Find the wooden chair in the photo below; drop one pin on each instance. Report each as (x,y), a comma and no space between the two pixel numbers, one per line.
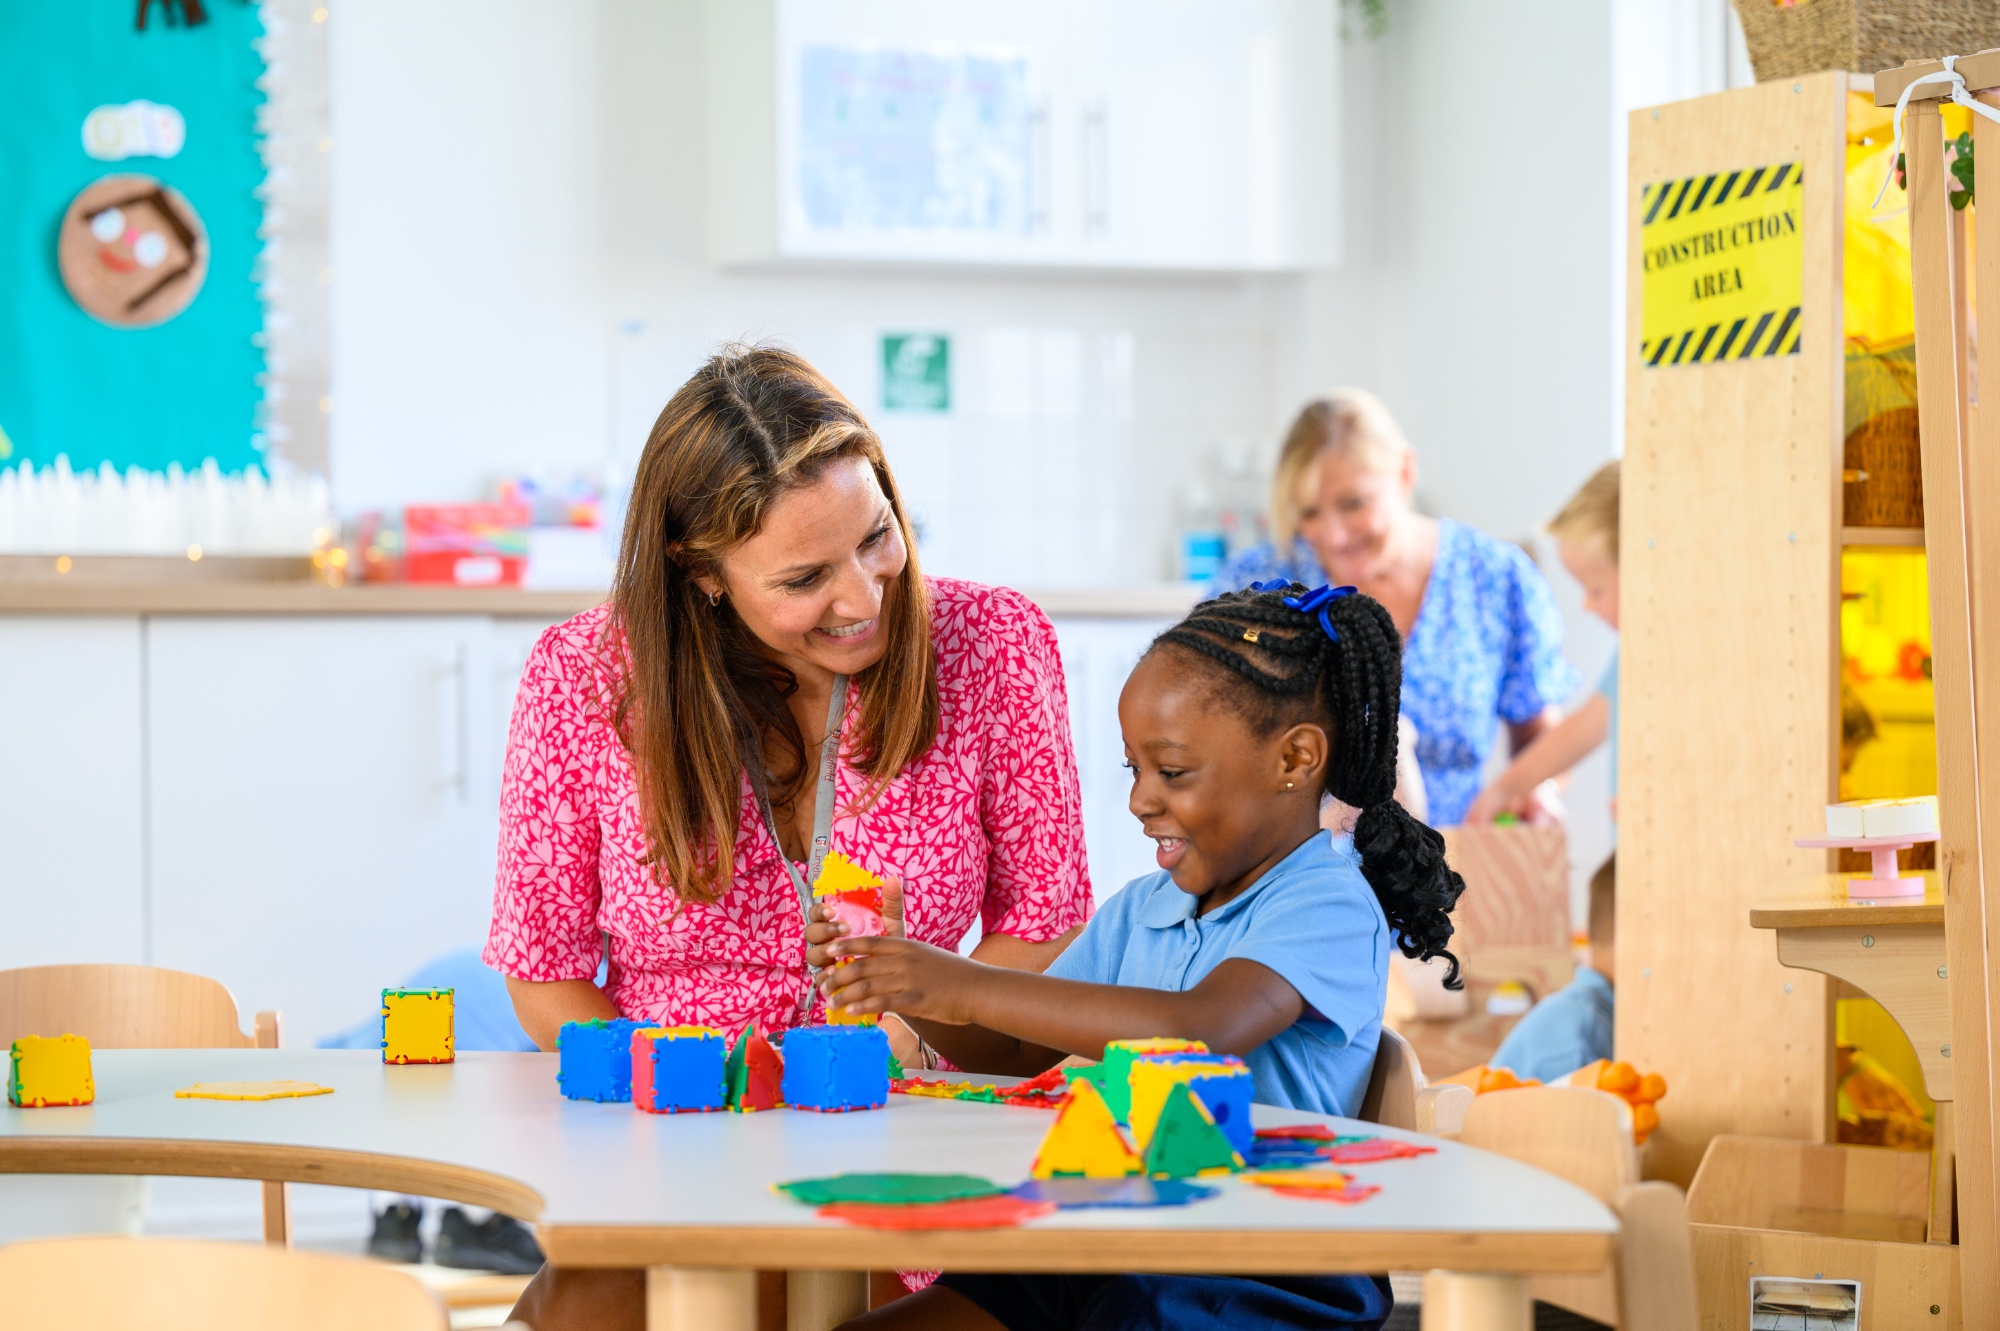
(137,1007)
(1585,1136)
(112,1284)
(1398,1096)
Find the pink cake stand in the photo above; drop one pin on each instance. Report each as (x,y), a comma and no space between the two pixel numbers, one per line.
(1885,882)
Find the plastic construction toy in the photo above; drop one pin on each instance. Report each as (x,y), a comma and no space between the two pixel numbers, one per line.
(754,1076)
(596,1058)
(417,1026)
(1186,1143)
(1114,1075)
(679,1069)
(834,1069)
(851,896)
(45,1071)
(1084,1141)
(252,1090)
(1221,1082)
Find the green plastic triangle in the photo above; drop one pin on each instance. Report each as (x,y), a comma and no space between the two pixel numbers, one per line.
(736,1071)
(1186,1141)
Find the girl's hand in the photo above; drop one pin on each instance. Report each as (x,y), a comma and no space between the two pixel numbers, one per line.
(822,930)
(1492,802)
(897,975)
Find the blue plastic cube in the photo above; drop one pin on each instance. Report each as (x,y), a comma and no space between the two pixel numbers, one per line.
(679,1069)
(596,1059)
(1228,1100)
(836,1068)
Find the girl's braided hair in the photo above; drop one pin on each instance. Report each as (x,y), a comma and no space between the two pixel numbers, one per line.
(1281,666)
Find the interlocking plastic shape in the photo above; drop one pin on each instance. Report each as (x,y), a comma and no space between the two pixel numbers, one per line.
(1115,1079)
(44,1071)
(851,896)
(417,1026)
(1085,1140)
(833,1069)
(596,1058)
(1186,1141)
(1222,1082)
(755,1074)
(679,1069)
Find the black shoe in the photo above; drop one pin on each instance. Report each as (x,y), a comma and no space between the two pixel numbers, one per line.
(498,1243)
(395,1237)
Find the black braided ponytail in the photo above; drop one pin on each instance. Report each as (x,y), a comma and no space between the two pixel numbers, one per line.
(1280,666)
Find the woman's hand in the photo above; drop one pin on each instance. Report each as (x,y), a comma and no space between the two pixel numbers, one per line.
(822,929)
(897,975)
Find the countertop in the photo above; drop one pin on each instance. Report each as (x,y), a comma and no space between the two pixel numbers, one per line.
(109,585)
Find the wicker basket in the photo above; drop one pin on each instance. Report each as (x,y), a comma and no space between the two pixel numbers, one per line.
(1861,36)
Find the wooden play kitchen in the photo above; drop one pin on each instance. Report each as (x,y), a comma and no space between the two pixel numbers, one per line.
(1740,496)
(691,1196)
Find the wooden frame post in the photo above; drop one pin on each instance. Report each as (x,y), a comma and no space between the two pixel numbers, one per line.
(1961,466)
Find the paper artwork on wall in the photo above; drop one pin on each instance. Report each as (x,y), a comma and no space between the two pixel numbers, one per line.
(132,252)
(135,129)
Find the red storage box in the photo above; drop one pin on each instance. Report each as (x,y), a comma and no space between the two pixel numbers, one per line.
(466,545)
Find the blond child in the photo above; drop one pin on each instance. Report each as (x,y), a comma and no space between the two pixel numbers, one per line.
(1586,533)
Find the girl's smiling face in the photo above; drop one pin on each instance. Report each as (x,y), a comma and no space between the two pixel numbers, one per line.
(1222,803)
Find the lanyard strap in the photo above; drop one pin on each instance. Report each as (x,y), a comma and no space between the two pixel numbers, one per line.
(823,796)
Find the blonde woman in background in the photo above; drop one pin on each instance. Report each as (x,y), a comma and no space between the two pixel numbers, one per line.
(1482,639)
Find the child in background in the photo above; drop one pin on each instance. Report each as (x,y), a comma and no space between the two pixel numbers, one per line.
(1586,532)
(1572,1026)
(1263,935)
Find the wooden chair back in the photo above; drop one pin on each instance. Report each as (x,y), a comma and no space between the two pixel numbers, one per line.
(1391,1097)
(111,1284)
(1585,1136)
(126,1007)
(138,1007)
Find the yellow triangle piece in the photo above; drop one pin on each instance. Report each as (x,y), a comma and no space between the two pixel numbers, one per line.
(840,874)
(1085,1140)
(251,1090)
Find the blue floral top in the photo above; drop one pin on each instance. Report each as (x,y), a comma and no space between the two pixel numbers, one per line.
(1486,647)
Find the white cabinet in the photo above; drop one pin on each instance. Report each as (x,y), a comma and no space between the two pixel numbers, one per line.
(324,797)
(1156,134)
(72,871)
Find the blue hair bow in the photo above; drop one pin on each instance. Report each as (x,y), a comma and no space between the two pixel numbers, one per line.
(1317,602)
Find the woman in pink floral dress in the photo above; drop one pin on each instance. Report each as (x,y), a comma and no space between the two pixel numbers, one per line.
(767,559)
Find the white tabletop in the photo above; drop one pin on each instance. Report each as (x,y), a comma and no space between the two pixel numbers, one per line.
(607,1185)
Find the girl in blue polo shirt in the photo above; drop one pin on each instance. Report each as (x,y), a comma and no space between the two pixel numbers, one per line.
(1261,935)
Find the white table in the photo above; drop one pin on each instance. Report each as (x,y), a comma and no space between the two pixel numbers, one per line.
(689,1195)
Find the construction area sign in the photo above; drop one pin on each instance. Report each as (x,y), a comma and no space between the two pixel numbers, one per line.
(1721,266)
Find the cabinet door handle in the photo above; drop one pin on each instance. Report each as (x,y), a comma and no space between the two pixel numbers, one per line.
(1096,169)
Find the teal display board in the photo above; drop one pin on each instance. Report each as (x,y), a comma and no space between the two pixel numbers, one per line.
(188,388)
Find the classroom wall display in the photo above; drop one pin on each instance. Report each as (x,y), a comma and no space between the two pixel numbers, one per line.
(1721,265)
(129,217)
(916,372)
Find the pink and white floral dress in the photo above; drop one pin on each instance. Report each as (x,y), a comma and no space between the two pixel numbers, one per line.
(987,824)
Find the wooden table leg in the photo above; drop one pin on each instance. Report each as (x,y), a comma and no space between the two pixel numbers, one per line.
(694,1298)
(1476,1301)
(822,1300)
(1944,1176)
(277,1215)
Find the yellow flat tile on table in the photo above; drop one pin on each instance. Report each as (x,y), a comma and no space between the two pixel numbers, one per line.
(251,1090)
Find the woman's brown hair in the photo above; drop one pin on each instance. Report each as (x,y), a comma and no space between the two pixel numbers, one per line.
(698,699)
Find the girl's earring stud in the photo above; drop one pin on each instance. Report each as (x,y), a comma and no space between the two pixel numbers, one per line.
(1288,785)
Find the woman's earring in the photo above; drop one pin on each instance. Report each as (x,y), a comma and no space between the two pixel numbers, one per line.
(715,598)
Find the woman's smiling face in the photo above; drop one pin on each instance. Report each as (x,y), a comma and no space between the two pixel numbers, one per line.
(809,584)
(1209,790)
(1351,503)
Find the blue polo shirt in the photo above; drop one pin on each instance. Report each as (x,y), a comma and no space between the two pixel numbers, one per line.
(1313,919)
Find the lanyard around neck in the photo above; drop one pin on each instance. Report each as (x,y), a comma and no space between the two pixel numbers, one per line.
(823,796)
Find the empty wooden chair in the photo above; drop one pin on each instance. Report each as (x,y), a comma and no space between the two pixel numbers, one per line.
(1585,1136)
(137,1007)
(114,1284)
(1398,1096)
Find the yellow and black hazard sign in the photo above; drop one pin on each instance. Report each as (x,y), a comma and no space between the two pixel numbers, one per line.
(1721,266)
